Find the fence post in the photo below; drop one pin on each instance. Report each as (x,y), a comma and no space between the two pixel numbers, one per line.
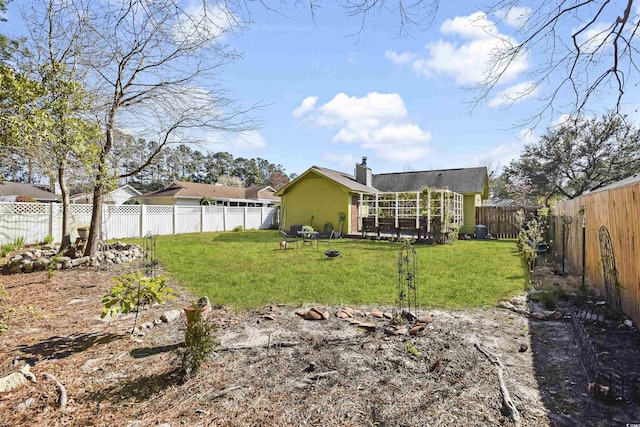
(175,219)
(201,218)
(261,217)
(51,219)
(143,211)
(244,218)
(224,218)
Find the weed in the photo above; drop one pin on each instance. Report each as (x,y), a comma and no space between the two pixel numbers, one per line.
(18,243)
(48,239)
(237,229)
(548,296)
(410,348)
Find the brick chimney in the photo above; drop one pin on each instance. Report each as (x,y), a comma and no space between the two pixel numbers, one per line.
(363,173)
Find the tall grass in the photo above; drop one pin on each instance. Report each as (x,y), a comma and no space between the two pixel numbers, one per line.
(248,269)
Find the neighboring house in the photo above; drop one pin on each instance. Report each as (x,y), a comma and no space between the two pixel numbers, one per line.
(190,193)
(321,195)
(116,197)
(10,190)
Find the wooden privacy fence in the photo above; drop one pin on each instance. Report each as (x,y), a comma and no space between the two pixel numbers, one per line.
(33,221)
(500,220)
(618,209)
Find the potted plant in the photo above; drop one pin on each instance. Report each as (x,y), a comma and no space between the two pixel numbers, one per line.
(83,232)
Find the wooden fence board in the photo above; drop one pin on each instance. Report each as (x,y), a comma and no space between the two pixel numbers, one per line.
(618,209)
(500,220)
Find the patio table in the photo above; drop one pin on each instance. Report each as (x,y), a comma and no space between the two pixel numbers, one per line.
(308,237)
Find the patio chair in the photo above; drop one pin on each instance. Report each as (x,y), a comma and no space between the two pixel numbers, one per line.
(289,239)
(323,238)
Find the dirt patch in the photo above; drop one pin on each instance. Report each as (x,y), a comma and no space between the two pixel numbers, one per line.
(274,368)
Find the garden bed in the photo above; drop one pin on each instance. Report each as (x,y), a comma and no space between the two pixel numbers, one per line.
(274,368)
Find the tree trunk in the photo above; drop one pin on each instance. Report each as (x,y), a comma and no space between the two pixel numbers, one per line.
(66,232)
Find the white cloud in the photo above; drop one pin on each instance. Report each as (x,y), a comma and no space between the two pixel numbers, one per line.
(308,104)
(468,61)
(248,140)
(594,38)
(475,26)
(515,16)
(514,94)
(399,58)
(378,122)
(202,20)
(502,155)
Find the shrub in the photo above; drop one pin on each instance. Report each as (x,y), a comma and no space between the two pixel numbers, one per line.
(133,290)
(25,199)
(237,229)
(200,340)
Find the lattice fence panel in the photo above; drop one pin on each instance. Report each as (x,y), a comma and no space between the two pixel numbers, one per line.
(27,221)
(121,221)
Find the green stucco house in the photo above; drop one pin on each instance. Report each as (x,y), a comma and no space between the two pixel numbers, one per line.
(320,196)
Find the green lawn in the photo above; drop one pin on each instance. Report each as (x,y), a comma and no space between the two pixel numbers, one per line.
(248,269)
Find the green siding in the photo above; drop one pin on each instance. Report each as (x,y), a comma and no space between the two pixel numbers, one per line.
(317,197)
(470,201)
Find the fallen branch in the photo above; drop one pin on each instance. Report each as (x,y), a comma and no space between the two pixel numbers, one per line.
(508,406)
(309,379)
(267,346)
(62,392)
(225,392)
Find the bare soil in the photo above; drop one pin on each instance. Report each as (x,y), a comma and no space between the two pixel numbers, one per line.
(274,368)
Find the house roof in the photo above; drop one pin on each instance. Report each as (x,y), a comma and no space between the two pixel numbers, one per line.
(19,189)
(341,178)
(463,180)
(633,179)
(193,190)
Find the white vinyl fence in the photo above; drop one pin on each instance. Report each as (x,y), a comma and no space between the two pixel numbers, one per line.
(33,221)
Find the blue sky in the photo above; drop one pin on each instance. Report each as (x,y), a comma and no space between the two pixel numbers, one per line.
(332,94)
(362,99)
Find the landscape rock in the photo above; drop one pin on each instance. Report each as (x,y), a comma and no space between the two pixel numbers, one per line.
(314,314)
(426,319)
(417,328)
(170,315)
(342,315)
(377,313)
(368,326)
(39,259)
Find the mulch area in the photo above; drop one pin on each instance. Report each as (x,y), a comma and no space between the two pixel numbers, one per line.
(274,368)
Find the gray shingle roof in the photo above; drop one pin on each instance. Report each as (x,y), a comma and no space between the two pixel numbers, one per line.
(633,179)
(344,179)
(466,180)
(19,189)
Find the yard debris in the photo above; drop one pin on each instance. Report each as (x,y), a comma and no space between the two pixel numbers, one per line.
(17,379)
(62,392)
(508,406)
(308,380)
(170,315)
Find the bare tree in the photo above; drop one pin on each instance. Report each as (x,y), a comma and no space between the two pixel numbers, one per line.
(152,66)
(586,49)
